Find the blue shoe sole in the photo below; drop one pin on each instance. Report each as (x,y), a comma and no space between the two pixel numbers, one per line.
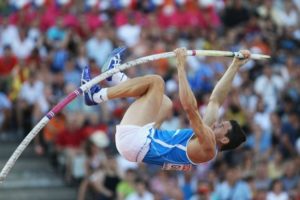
(88,95)
(120,51)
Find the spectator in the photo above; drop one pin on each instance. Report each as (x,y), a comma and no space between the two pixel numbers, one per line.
(188,183)
(9,32)
(68,143)
(290,177)
(106,180)
(235,111)
(7,62)
(23,45)
(233,187)
(57,32)
(289,15)
(129,33)
(165,186)
(262,116)
(81,59)
(277,192)
(268,85)
(261,195)
(275,166)
(295,194)
(126,187)
(259,140)
(5,114)
(248,99)
(204,192)
(30,100)
(141,192)
(94,160)
(60,57)
(235,13)
(71,74)
(290,131)
(99,43)
(46,143)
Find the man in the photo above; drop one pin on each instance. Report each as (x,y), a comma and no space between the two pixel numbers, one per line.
(138,138)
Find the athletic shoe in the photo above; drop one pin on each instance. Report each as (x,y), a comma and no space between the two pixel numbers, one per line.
(88,95)
(114,59)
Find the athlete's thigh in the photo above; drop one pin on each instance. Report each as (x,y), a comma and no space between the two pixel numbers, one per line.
(165,111)
(144,110)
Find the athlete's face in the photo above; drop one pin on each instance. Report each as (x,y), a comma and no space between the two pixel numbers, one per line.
(220,131)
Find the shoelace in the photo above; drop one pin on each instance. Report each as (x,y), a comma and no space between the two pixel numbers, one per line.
(116,60)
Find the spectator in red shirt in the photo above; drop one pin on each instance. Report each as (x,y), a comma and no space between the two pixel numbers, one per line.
(93,125)
(71,136)
(93,19)
(7,62)
(68,143)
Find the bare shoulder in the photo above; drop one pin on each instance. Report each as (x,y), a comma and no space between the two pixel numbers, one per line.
(202,149)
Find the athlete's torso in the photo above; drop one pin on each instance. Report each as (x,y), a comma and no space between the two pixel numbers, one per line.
(168,147)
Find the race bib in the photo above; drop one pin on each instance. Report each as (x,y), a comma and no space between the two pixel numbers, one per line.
(177,167)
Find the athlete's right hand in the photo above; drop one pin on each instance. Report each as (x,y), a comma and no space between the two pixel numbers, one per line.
(181,54)
(241,62)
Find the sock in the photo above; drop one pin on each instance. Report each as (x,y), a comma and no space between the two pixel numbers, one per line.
(100,96)
(118,78)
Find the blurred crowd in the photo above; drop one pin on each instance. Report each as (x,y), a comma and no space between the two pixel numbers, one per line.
(44,44)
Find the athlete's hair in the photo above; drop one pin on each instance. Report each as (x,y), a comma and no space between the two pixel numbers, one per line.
(235,135)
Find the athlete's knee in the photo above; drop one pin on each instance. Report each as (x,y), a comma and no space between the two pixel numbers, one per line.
(157,82)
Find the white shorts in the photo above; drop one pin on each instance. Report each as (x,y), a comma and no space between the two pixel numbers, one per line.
(132,141)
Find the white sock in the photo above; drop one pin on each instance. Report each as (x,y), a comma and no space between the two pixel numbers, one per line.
(100,96)
(118,78)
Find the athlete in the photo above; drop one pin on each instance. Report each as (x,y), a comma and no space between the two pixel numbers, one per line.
(138,137)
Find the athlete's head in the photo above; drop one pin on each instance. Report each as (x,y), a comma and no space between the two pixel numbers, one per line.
(229,135)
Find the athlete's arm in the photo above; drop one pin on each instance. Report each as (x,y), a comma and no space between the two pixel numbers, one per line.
(205,136)
(222,88)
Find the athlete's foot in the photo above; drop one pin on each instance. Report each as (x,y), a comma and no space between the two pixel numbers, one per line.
(88,95)
(114,59)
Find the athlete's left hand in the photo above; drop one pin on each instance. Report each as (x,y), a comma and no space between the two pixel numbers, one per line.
(181,54)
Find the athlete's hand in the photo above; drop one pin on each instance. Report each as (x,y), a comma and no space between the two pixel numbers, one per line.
(181,54)
(242,61)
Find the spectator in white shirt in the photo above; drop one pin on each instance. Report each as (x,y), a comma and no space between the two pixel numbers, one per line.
(8,32)
(130,32)
(31,90)
(288,16)
(22,46)
(277,192)
(31,102)
(269,85)
(99,47)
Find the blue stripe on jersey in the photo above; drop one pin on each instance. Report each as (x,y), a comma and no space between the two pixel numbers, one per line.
(168,146)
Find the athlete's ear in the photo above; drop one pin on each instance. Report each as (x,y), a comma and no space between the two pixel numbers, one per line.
(224,140)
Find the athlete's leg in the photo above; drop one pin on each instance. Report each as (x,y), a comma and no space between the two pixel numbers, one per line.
(149,92)
(164,111)
(135,88)
(165,107)
(221,90)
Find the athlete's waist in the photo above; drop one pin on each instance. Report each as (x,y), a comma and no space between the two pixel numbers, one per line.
(132,141)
